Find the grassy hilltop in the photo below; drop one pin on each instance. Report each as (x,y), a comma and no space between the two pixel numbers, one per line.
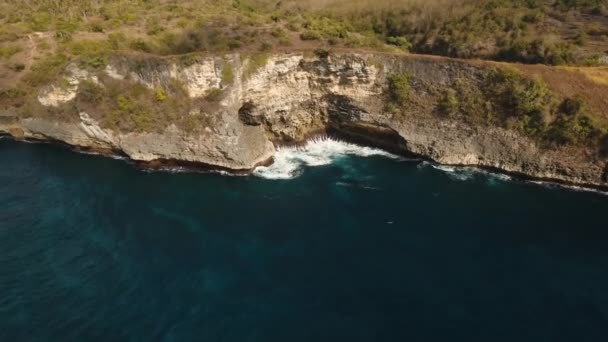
(529,31)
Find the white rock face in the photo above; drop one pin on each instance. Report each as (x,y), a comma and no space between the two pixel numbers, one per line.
(111,71)
(280,90)
(199,78)
(56,95)
(93,130)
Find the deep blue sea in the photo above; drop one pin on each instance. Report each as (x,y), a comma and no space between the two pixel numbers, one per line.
(331,244)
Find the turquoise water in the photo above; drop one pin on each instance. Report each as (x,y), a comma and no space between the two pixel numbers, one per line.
(361,248)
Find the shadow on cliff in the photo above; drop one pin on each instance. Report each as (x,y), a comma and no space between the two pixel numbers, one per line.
(348,122)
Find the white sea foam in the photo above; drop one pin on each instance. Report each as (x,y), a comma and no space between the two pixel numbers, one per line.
(107,155)
(464,173)
(289,161)
(575,188)
(184,169)
(458,173)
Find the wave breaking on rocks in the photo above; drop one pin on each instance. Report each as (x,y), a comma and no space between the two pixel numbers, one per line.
(289,162)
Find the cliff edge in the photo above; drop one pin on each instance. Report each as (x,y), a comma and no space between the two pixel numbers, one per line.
(231,111)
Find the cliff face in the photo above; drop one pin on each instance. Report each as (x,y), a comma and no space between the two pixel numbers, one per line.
(287,98)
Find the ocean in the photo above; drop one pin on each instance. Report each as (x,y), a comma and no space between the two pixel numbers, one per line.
(334,242)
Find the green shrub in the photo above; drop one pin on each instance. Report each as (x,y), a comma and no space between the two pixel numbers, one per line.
(326,27)
(234,44)
(8,51)
(573,124)
(153,27)
(391,108)
(400,42)
(205,38)
(160,94)
(92,53)
(123,103)
(132,107)
(141,120)
(17,67)
(448,103)
(183,22)
(581,39)
(533,16)
(399,88)
(537,51)
(573,130)
(265,46)
(116,40)
(213,95)
(322,53)
(70,26)
(11,93)
(46,70)
(132,113)
(572,106)
(521,103)
(284,41)
(227,74)
(141,45)
(517,95)
(310,35)
(96,27)
(277,32)
(63,36)
(90,92)
(256,62)
(527,106)
(40,21)
(12,97)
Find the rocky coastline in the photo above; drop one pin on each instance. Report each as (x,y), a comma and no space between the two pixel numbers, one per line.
(294,97)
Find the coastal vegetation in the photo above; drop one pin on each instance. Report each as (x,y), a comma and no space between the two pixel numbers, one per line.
(38,38)
(511,100)
(399,88)
(529,31)
(133,107)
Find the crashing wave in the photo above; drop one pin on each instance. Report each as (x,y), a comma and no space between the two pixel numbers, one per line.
(460,173)
(290,161)
(464,173)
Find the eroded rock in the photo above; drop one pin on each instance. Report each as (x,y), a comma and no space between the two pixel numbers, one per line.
(292,96)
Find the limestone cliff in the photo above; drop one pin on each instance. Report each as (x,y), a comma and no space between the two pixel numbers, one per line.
(290,97)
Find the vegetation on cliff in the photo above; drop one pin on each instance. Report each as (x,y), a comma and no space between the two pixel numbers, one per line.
(507,98)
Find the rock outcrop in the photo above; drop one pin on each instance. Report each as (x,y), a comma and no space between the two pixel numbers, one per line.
(293,96)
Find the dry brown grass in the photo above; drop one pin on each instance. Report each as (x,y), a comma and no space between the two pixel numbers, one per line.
(596,74)
(590,83)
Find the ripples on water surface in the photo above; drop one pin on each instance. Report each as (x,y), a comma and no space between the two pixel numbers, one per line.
(343,244)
